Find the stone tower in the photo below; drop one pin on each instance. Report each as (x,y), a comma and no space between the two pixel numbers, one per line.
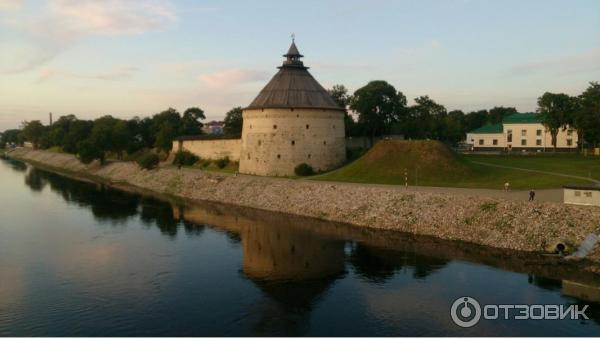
(293,120)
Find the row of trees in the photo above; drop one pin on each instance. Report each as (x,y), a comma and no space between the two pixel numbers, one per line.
(379,109)
(94,139)
(582,112)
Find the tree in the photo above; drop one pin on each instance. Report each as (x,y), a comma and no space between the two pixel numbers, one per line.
(339,94)
(497,114)
(427,118)
(190,124)
(11,136)
(165,137)
(586,118)
(79,130)
(33,132)
(233,121)
(557,112)
(379,107)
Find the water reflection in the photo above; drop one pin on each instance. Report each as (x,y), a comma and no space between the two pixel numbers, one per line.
(295,263)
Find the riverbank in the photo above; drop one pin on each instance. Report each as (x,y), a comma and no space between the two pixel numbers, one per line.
(494,222)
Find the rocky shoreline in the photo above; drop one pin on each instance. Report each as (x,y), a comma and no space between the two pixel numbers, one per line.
(498,223)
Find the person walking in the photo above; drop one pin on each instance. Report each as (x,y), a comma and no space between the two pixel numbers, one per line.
(531,195)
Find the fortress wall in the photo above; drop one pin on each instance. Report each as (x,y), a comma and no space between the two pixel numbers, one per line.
(211,149)
(275,141)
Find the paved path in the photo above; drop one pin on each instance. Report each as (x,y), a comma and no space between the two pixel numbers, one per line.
(537,171)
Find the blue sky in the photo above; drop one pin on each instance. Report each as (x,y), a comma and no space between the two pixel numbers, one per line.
(128,58)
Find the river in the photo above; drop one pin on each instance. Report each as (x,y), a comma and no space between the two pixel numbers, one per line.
(79,258)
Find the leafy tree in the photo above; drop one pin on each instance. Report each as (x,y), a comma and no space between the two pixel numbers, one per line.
(11,136)
(190,124)
(379,107)
(78,130)
(33,132)
(586,118)
(88,151)
(339,94)
(557,112)
(497,114)
(234,121)
(165,136)
(428,118)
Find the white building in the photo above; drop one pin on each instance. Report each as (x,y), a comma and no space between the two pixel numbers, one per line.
(521,131)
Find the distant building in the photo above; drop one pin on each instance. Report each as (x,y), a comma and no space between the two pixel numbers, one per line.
(521,131)
(213,128)
(582,194)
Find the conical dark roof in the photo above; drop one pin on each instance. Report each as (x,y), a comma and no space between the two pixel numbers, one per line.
(293,87)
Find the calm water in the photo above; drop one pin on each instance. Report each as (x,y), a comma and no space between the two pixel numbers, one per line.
(80,259)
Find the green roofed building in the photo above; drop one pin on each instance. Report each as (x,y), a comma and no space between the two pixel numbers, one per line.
(522,132)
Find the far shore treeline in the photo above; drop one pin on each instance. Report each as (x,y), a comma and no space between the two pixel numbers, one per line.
(373,110)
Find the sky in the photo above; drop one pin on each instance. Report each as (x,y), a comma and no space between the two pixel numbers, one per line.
(138,57)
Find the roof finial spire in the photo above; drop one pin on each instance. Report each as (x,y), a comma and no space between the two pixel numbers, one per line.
(293,37)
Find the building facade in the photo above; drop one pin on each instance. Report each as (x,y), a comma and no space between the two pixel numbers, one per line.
(293,120)
(520,132)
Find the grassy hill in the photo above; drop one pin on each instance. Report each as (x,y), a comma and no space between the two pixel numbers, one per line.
(431,163)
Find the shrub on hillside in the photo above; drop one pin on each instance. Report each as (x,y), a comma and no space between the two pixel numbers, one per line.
(303,169)
(222,162)
(184,157)
(148,161)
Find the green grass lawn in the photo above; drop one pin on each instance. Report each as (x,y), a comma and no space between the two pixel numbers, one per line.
(570,164)
(428,164)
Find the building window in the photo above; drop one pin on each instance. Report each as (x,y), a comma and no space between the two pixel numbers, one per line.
(495,142)
(248,155)
(307,126)
(308,155)
(569,142)
(278,156)
(481,142)
(324,142)
(523,142)
(570,132)
(588,194)
(274,126)
(333,126)
(291,109)
(509,135)
(293,142)
(259,142)
(538,142)
(523,132)
(538,132)
(577,193)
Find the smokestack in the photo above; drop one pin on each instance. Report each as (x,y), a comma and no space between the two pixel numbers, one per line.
(50,114)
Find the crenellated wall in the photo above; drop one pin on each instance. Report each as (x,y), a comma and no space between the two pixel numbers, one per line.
(275,141)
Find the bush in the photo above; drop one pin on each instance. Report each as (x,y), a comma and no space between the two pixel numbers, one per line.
(148,161)
(222,162)
(184,157)
(303,169)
